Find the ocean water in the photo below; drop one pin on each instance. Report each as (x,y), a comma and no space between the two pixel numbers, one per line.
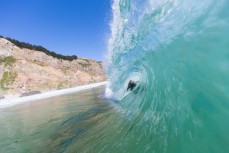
(178,54)
(68,123)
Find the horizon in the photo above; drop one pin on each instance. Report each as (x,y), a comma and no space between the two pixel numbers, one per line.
(67,28)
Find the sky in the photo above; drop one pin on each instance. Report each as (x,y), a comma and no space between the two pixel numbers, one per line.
(68,27)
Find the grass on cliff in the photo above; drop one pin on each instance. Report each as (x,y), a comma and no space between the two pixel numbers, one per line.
(7,79)
(38,62)
(65,69)
(8,61)
(86,64)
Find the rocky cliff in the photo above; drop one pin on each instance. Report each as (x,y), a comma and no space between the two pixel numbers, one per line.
(24,70)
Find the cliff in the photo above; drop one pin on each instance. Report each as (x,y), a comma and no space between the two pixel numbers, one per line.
(24,70)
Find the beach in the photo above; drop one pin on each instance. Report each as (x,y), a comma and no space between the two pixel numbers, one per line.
(11,101)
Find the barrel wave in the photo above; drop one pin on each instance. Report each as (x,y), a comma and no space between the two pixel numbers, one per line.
(177,53)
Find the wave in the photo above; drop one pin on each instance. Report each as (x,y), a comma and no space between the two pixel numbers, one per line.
(178,54)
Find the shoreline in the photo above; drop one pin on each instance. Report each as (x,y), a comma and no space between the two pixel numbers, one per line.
(20,100)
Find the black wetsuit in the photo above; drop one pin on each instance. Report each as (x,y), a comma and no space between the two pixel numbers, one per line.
(131,85)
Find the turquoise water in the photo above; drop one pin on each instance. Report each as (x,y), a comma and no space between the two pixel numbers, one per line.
(88,122)
(178,54)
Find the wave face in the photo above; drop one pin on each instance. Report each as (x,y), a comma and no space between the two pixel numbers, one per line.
(178,53)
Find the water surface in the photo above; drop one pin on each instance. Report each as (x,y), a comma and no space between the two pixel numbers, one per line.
(56,124)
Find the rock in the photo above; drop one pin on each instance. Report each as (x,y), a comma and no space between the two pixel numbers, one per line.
(30,93)
(2,97)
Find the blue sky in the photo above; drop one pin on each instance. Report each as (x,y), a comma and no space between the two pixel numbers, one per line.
(79,27)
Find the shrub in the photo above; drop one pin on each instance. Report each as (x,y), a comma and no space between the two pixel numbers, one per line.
(41,49)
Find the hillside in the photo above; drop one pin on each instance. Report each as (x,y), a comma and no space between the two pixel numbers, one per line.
(24,70)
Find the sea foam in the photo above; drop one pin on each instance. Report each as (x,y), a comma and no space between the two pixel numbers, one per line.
(15,101)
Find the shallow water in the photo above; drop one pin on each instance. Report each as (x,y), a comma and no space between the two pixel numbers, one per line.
(86,122)
(59,124)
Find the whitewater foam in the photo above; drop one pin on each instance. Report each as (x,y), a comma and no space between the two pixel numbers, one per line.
(16,101)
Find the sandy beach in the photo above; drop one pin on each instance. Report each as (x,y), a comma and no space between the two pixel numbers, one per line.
(11,101)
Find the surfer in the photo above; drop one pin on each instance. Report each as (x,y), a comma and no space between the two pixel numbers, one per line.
(131,85)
